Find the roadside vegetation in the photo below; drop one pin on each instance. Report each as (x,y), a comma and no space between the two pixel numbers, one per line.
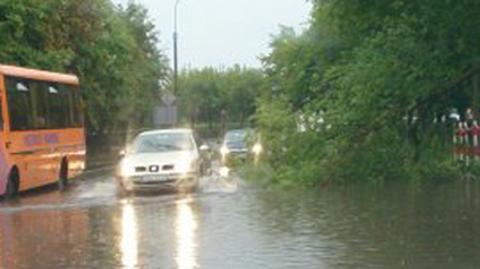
(364,93)
(373,76)
(207,95)
(113,50)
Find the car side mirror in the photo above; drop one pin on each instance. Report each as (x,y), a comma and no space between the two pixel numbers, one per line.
(204,148)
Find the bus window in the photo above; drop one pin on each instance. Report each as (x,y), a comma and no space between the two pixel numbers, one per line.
(42,105)
(39,98)
(78,110)
(71,102)
(59,107)
(71,106)
(18,96)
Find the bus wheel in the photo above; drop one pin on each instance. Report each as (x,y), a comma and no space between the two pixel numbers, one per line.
(63,177)
(12,185)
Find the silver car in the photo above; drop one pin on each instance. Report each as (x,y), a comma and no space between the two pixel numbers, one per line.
(163,159)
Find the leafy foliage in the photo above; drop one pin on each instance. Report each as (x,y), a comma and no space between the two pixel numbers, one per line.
(204,93)
(367,64)
(112,49)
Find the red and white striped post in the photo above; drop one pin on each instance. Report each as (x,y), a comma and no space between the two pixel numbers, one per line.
(459,141)
(475,132)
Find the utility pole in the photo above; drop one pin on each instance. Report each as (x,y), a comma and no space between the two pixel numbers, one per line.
(175,50)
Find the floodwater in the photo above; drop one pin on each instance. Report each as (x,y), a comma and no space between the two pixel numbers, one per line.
(230,224)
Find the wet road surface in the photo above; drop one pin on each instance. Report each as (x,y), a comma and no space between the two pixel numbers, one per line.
(230,224)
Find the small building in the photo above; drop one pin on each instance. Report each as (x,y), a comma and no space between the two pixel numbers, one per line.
(166,113)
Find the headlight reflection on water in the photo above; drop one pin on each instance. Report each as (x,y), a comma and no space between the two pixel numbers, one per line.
(186,228)
(129,240)
(186,246)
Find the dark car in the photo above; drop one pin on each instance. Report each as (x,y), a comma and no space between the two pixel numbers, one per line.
(239,145)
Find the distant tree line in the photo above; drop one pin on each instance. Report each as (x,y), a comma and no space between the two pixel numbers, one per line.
(369,67)
(205,93)
(113,50)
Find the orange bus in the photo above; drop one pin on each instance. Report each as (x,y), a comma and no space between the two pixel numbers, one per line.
(42,136)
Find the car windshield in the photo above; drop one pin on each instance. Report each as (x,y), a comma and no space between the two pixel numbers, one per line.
(239,139)
(236,136)
(162,142)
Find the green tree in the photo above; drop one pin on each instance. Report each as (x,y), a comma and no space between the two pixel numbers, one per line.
(368,64)
(113,50)
(204,93)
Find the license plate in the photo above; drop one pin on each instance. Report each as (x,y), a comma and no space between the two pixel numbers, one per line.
(155,178)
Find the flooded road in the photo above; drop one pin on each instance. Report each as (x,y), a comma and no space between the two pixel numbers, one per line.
(229,224)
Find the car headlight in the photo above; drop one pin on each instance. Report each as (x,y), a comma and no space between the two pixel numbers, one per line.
(186,166)
(125,169)
(257,149)
(224,150)
(224,171)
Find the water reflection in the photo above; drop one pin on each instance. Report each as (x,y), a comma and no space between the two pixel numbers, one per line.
(185,233)
(129,240)
(6,242)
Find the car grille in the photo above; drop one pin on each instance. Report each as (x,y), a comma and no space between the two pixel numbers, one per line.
(168,167)
(154,168)
(140,169)
(155,182)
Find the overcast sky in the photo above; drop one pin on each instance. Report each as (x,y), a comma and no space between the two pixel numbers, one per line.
(223,32)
